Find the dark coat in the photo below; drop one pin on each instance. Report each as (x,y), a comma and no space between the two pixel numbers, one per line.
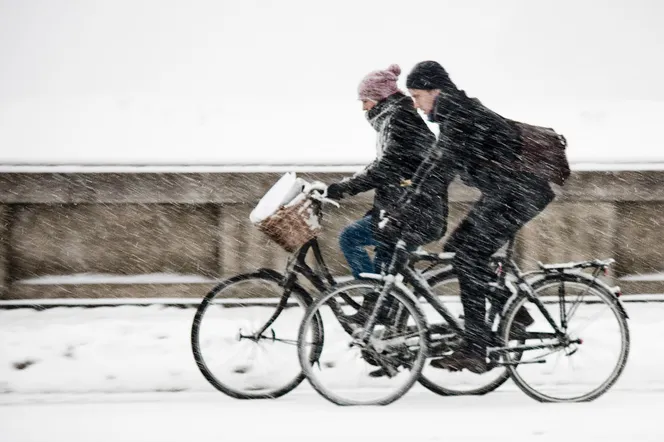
(404,141)
(479,146)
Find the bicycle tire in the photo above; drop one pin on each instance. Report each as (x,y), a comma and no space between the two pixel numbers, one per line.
(272,276)
(609,299)
(418,364)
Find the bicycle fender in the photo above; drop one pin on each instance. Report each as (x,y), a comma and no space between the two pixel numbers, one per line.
(269,272)
(588,278)
(615,290)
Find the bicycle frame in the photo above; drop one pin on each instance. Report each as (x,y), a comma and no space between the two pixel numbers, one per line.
(398,273)
(297,265)
(323,280)
(523,285)
(422,288)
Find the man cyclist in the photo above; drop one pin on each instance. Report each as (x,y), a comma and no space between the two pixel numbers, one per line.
(482,148)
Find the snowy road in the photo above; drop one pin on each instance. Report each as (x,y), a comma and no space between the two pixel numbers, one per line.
(93,375)
(621,415)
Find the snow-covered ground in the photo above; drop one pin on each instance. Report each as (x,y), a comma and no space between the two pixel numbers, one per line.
(147,349)
(301,416)
(126,373)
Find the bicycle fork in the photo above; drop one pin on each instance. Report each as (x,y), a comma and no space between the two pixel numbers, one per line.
(288,288)
(390,282)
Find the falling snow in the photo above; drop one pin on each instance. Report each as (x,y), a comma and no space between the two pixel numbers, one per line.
(145,149)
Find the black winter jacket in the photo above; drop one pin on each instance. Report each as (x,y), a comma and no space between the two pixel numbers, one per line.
(479,146)
(404,142)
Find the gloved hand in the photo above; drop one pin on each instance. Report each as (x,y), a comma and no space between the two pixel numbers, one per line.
(335,191)
(315,185)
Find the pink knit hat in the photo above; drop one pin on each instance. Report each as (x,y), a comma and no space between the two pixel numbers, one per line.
(378,85)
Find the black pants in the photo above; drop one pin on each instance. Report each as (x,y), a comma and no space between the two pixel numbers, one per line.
(487,227)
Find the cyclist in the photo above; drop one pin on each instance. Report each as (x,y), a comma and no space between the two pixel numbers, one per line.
(403,142)
(482,148)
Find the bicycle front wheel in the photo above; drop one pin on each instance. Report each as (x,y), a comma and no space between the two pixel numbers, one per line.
(351,371)
(579,364)
(244,336)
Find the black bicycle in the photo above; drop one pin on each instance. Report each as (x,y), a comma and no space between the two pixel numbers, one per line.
(383,355)
(244,332)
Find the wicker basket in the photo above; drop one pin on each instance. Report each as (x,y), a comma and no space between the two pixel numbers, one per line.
(293,225)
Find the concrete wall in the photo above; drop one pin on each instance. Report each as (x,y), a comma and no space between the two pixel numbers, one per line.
(198,224)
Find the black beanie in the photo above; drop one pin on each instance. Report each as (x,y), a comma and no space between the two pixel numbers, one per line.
(428,75)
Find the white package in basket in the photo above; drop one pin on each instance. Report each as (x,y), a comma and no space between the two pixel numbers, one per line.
(280,194)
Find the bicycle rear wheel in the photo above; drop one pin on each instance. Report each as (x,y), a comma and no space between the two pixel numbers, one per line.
(345,373)
(225,344)
(587,360)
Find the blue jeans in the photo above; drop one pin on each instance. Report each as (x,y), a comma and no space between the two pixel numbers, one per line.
(353,241)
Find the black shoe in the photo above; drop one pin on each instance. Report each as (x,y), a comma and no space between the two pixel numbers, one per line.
(522,321)
(403,360)
(378,373)
(523,318)
(462,359)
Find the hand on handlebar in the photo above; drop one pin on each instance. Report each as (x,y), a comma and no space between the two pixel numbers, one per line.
(335,191)
(318,192)
(321,197)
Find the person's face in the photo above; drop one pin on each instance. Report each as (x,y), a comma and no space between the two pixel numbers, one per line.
(367,105)
(424,99)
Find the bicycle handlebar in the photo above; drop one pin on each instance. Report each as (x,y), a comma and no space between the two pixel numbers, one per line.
(318,196)
(317,191)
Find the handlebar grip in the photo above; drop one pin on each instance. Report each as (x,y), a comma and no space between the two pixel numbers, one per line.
(322,199)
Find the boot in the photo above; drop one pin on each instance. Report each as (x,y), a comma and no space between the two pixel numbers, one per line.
(523,318)
(522,321)
(467,357)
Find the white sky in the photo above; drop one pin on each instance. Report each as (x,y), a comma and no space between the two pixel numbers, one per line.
(229,82)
